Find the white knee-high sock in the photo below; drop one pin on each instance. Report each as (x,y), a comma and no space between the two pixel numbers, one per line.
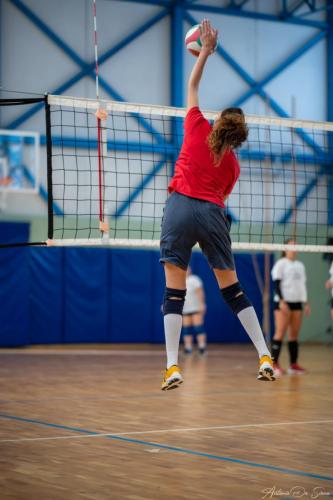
(250,322)
(172,329)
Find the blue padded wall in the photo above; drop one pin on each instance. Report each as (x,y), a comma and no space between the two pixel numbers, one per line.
(85,275)
(14,296)
(131,298)
(14,285)
(59,295)
(46,295)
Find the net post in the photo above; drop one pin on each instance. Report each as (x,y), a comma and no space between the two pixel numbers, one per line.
(49,167)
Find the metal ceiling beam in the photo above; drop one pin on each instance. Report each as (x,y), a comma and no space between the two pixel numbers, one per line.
(87,69)
(287,12)
(237,12)
(234,4)
(177,56)
(330,65)
(254,15)
(302,49)
(241,4)
(260,91)
(320,9)
(160,3)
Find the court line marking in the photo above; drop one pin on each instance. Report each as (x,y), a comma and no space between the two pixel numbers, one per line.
(174,448)
(168,431)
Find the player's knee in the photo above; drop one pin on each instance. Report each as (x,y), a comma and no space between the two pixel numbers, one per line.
(173,302)
(235,297)
(187,330)
(199,329)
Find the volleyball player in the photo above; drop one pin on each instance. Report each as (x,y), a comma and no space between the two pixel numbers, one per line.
(193,314)
(205,174)
(329,286)
(290,297)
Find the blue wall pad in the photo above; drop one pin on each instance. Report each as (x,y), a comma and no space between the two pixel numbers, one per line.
(66,295)
(14,296)
(14,232)
(46,295)
(86,295)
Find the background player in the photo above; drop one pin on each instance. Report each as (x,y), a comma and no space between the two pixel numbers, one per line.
(289,279)
(329,286)
(194,313)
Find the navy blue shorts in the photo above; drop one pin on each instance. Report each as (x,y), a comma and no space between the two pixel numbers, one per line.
(187,221)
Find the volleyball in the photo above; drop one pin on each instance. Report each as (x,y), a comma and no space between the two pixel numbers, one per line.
(192,40)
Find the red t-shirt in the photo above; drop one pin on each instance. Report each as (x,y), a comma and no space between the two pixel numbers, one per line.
(196,174)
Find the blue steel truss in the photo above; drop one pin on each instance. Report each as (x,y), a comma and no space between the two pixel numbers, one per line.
(179,13)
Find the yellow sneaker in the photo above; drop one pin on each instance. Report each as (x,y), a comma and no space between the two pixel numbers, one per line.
(266,370)
(172,378)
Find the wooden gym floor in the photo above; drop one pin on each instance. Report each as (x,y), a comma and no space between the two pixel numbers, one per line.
(93,424)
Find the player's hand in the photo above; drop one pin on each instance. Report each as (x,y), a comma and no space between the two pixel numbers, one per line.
(307,309)
(101,114)
(208,37)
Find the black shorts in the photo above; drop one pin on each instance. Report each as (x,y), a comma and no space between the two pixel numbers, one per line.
(187,221)
(293,306)
(332,303)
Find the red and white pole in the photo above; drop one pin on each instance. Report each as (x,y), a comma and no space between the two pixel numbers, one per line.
(103,226)
(96,48)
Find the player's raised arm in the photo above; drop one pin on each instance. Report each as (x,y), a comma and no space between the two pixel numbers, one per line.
(208,39)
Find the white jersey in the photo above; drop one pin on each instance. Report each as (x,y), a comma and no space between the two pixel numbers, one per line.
(292,275)
(331,276)
(192,302)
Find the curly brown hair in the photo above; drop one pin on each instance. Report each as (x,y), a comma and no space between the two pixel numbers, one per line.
(229,131)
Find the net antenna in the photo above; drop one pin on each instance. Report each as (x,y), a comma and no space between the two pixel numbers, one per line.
(101,115)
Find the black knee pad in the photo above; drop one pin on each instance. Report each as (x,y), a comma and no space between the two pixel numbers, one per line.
(173,302)
(235,297)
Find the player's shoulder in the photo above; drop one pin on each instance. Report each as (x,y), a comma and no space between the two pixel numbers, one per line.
(281,262)
(193,110)
(278,269)
(194,116)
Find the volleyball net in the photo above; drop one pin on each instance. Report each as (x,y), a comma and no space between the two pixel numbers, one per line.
(114,174)
(107,179)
